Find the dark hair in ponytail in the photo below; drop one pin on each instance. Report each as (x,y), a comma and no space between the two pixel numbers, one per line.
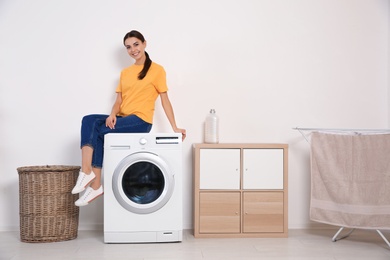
(147,64)
(148,61)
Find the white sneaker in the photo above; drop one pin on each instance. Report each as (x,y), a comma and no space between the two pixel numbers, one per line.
(89,195)
(83,181)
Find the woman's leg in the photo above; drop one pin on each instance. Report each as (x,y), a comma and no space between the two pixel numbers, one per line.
(128,124)
(93,145)
(131,124)
(91,126)
(86,166)
(89,135)
(97,182)
(86,159)
(93,158)
(93,130)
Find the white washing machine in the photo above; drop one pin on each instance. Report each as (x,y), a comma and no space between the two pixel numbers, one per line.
(143,188)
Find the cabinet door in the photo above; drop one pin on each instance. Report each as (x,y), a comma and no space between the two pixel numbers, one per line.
(219,212)
(263,169)
(263,212)
(219,169)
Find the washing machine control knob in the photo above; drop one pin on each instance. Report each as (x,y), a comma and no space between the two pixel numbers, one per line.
(143,141)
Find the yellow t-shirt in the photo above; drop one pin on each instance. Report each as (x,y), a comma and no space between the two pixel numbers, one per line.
(139,96)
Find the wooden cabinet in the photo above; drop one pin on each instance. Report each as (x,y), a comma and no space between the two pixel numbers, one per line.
(263,212)
(217,164)
(240,190)
(219,212)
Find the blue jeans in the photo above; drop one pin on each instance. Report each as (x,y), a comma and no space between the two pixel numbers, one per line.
(93,129)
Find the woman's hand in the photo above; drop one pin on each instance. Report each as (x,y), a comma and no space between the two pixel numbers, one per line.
(182,131)
(166,103)
(111,121)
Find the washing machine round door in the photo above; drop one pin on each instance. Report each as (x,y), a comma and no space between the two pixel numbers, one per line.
(142,183)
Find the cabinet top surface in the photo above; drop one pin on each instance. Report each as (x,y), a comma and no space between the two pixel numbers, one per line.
(241,145)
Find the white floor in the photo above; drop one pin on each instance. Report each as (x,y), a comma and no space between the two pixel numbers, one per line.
(301,244)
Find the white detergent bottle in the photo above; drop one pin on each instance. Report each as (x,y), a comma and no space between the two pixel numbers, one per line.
(211,128)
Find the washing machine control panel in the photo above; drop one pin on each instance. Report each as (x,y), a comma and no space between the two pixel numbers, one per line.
(143,141)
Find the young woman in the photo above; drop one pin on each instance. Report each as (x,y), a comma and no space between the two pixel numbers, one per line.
(138,88)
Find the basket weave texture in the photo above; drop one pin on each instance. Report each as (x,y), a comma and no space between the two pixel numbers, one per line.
(46,205)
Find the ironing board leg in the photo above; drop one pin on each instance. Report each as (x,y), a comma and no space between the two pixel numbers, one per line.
(334,239)
(384,238)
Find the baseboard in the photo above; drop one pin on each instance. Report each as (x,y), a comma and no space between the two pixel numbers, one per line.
(99,227)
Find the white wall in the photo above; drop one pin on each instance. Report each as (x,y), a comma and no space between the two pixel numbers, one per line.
(264,65)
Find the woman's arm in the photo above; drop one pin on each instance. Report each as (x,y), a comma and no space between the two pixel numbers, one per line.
(166,104)
(111,119)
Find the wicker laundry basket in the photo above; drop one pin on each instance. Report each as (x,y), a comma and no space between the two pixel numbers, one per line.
(46,205)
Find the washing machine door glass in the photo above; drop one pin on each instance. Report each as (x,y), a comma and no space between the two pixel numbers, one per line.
(143,183)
